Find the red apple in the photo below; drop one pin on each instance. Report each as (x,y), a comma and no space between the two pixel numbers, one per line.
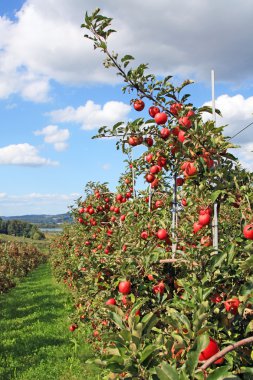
(73,327)
(149,157)
(248,231)
(150,178)
(175,108)
(144,235)
(196,227)
(125,287)
(153,111)
(159,288)
(161,118)
(206,241)
(111,301)
(162,234)
(185,122)
(179,181)
(184,202)
(211,349)
(155,169)
(161,161)
(204,219)
(181,136)
(232,305)
(149,141)
(139,105)
(165,133)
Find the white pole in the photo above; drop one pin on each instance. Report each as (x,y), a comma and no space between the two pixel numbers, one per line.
(215,206)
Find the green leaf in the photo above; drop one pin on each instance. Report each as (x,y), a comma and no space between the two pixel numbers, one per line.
(249,327)
(117,320)
(127,58)
(148,351)
(216,194)
(166,372)
(220,373)
(193,356)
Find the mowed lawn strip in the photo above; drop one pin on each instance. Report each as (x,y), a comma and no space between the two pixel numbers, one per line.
(35,342)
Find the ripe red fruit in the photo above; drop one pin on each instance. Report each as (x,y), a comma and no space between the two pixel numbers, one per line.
(216,298)
(149,157)
(149,141)
(204,220)
(81,210)
(124,300)
(144,235)
(162,234)
(181,136)
(73,327)
(153,111)
(184,202)
(111,301)
(119,197)
(117,209)
(161,118)
(139,105)
(179,181)
(232,305)
(159,288)
(211,349)
(248,231)
(155,183)
(125,287)
(154,169)
(80,220)
(133,141)
(185,122)
(150,178)
(196,227)
(190,169)
(165,133)
(161,161)
(175,108)
(190,113)
(206,241)
(158,203)
(122,218)
(150,277)
(175,131)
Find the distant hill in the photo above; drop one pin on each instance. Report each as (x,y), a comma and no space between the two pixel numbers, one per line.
(42,219)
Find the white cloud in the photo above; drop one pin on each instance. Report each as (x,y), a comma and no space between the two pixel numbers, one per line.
(91,115)
(45,42)
(54,135)
(36,203)
(23,155)
(237,112)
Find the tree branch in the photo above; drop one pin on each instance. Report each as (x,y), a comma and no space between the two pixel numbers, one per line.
(225,350)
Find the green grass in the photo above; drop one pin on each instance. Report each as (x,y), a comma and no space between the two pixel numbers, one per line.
(35,343)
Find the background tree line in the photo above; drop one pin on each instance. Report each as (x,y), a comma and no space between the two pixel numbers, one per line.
(20,228)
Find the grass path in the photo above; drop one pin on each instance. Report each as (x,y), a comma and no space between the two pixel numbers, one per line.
(35,343)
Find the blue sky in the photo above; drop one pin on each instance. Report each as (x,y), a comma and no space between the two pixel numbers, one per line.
(55,92)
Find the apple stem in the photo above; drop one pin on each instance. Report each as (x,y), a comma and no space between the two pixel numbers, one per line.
(225,350)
